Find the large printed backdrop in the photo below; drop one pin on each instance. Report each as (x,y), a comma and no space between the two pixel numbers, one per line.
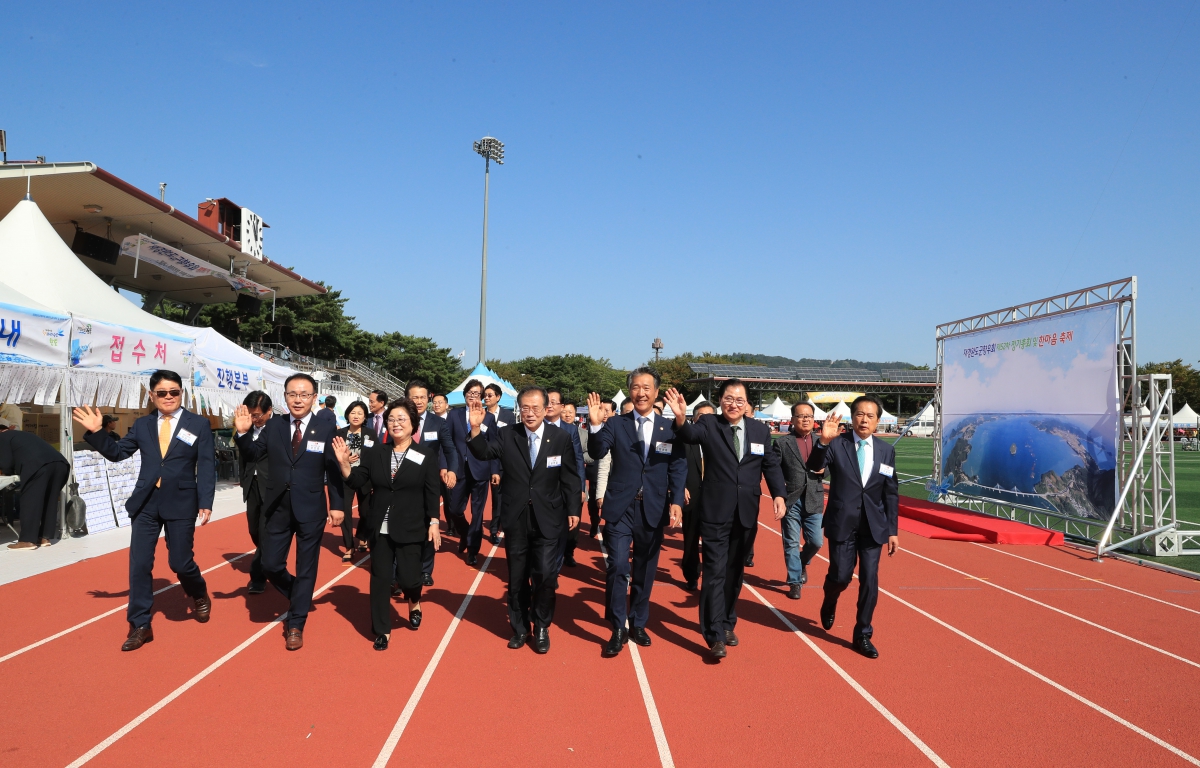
(1030,413)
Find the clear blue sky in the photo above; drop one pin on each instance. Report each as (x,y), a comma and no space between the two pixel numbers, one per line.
(821,180)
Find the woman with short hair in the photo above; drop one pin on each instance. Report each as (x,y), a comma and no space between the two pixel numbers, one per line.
(405,484)
(359,437)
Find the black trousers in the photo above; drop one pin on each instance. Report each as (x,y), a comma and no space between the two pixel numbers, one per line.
(476,489)
(348,532)
(256,522)
(724,548)
(388,559)
(143,540)
(364,506)
(39,501)
(532,576)
(691,542)
(427,550)
(282,525)
(860,547)
(627,600)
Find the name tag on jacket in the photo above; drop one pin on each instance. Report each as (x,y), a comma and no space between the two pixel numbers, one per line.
(554,461)
(415,457)
(886,470)
(316,446)
(756,449)
(664,448)
(368,442)
(501,423)
(185,436)
(430,436)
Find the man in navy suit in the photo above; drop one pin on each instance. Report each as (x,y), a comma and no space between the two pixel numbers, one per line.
(504,418)
(862,512)
(554,415)
(301,464)
(737,458)
(645,487)
(174,488)
(432,429)
(473,479)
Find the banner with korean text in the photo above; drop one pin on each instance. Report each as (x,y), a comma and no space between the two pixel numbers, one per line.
(33,337)
(121,349)
(1031,414)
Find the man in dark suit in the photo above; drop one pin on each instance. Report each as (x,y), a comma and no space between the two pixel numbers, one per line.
(806,498)
(541,498)
(554,414)
(504,417)
(862,514)
(474,478)
(432,429)
(175,487)
(301,465)
(693,502)
(43,472)
(591,469)
(377,400)
(737,457)
(645,489)
(328,413)
(254,487)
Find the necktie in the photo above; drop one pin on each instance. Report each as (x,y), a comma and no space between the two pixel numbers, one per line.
(417,432)
(164,440)
(296,439)
(533,449)
(737,443)
(862,457)
(641,425)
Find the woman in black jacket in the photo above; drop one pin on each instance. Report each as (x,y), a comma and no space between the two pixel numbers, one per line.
(359,437)
(405,482)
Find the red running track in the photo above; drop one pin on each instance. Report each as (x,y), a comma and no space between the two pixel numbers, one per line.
(990,655)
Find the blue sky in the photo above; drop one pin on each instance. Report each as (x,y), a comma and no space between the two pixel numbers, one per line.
(800,179)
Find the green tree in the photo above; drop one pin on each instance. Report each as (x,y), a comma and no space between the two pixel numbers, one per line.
(575,375)
(407,357)
(1184,378)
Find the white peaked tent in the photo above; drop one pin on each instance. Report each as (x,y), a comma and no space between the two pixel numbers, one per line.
(618,399)
(692,406)
(486,376)
(818,414)
(886,418)
(776,411)
(35,261)
(841,412)
(1186,418)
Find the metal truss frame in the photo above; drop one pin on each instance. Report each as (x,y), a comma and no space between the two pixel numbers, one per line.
(1150,513)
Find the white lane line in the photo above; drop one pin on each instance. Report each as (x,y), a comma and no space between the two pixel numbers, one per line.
(135,722)
(1087,578)
(410,706)
(1062,688)
(660,736)
(1068,614)
(1057,686)
(106,614)
(895,721)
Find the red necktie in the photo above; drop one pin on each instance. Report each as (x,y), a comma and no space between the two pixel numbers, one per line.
(296,439)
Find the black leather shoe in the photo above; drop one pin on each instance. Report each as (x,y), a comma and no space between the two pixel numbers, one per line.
(381,643)
(414,618)
(731,639)
(494,538)
(138,636)
(256,587)
(616,643)
(426,579)
(692,585)
(750,561)
(541,639)
(638,635)
(793,591)
(569,559)
(472,560)
(827,614)
(804,574)
(516,641)
(863,645)
(717,650)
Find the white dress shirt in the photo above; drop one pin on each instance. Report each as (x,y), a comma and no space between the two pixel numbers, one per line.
(538,443)
(868,447)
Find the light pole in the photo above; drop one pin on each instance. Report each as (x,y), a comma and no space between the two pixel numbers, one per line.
(657,346)
(491,149)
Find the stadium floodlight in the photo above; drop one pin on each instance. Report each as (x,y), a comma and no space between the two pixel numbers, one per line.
(492,150)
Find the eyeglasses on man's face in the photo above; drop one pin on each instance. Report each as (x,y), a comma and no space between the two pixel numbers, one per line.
(531,408)
(299,395)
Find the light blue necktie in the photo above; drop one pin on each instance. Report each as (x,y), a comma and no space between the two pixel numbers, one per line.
(862,457)
(533,449)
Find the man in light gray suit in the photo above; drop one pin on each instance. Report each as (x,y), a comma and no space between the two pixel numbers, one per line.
(805,498)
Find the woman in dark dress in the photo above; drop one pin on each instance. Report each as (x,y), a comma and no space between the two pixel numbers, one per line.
(405,482)
(359,437)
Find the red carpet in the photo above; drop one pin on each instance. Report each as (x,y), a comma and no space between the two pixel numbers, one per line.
(940,521)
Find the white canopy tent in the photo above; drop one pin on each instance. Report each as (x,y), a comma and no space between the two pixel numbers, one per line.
(776,411)
(841,412)
(486,376)
(1186,418)
(618,399)
(886,419)
(33,355)
(691,406)
(113,344)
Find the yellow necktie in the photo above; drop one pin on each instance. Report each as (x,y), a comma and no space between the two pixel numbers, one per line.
(164,441)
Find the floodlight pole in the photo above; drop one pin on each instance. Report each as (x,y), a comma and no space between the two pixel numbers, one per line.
(491,149)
